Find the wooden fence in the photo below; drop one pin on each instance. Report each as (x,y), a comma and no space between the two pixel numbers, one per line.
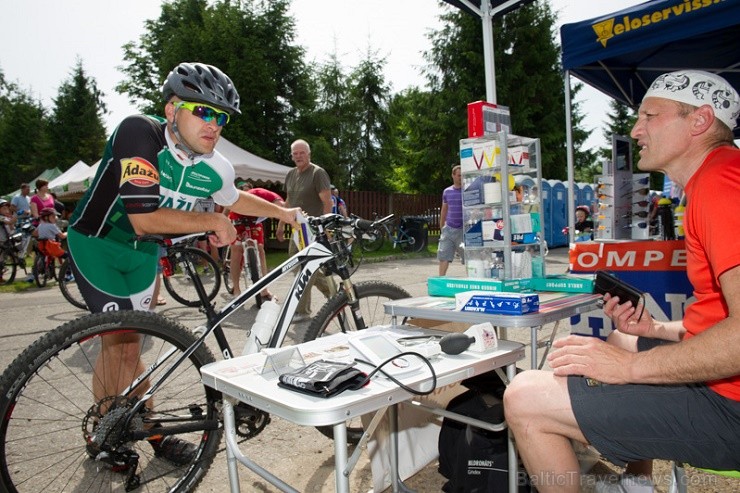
(368,204)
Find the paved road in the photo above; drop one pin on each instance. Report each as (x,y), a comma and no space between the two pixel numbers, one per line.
(301,456)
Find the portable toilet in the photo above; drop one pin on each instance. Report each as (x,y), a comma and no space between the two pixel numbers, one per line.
(587,196)
(545,217)
(558,213)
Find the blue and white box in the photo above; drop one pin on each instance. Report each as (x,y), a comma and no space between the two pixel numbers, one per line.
(503,303)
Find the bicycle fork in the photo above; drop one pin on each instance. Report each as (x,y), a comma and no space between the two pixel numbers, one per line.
(354,307)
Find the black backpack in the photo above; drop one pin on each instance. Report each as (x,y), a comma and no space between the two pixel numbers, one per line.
(472,459)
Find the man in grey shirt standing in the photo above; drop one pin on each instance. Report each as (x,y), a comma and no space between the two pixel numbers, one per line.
(306,186)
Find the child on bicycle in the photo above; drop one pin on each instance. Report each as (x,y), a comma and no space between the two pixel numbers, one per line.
(49,235)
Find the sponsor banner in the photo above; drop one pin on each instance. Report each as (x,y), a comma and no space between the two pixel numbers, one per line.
(658,268)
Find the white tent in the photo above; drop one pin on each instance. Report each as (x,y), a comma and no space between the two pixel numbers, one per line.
(250,166)
(77,185)
(75,173)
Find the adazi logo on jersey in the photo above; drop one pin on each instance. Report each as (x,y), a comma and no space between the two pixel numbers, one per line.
(138,172)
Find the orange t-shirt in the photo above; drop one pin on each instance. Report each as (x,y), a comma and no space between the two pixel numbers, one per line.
(711,222)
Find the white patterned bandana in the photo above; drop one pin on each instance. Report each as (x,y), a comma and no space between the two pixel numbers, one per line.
(698,88)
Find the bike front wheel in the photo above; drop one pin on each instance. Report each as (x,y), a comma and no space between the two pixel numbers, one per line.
(181,286)
(253,266)
(52,408)
(8,265)
(68,286)
(336,316)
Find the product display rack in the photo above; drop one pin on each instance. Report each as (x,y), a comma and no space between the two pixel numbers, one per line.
(503,228)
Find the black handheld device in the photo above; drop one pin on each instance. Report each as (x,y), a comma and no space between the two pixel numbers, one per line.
(606,282)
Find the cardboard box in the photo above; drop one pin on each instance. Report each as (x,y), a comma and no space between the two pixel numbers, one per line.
(450,286)
(486,118)
(506,303)
(518,158)
(560,283)
(480,155)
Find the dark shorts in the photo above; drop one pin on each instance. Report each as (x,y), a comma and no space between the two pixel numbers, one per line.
(687,423)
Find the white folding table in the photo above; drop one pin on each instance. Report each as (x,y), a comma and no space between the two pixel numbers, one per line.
(241,379)
(556,307)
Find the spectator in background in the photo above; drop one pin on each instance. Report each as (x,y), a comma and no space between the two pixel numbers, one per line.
(306,186)
(41,199)
(21,201)
(7,221)
(337,203)
(450,222)
(583,224)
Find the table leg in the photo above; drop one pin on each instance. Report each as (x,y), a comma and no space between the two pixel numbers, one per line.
(513,459)
(341,475)
(397,485)
(533,345)
(231,463)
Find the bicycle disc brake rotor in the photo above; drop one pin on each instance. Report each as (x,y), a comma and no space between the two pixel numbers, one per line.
(249,421)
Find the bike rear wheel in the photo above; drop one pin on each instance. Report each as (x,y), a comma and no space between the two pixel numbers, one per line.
(181,286)
(335,316)
(68,286)
(373,239)
(40,272)
(413,241)
(50,411)
(8,265)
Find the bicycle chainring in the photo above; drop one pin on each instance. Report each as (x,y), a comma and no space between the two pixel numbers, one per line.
(249,421)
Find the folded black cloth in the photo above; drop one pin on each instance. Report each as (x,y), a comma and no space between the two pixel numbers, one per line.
(324,378)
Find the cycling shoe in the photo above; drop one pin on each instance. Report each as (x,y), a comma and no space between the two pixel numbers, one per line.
(176,450)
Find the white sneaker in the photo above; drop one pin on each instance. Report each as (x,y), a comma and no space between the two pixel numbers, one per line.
(626,484)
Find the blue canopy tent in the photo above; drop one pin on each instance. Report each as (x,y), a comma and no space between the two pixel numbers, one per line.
(621,53)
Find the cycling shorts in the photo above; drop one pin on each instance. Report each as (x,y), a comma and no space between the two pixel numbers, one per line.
(254,231)
(112,275)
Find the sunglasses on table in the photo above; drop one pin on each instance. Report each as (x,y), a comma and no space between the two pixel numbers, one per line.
(205,112)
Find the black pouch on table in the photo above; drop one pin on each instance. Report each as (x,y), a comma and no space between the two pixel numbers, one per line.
(323,378)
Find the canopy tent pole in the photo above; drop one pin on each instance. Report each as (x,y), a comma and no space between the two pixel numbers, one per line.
(488,57)
(569,153)
(487,12)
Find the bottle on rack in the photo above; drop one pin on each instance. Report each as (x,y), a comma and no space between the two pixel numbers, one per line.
(262,328)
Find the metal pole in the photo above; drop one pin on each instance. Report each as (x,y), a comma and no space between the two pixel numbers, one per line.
(489,63)
(569,151)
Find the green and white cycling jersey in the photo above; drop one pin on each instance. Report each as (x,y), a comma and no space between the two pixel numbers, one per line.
(141,171)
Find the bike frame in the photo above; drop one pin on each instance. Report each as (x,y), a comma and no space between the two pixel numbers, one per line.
(309,260)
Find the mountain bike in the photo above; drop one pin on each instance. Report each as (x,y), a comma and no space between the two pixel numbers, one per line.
(251,267)
(179,257)
(409,235)
(50,415)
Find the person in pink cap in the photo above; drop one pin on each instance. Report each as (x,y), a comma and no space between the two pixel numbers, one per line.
(654,390)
